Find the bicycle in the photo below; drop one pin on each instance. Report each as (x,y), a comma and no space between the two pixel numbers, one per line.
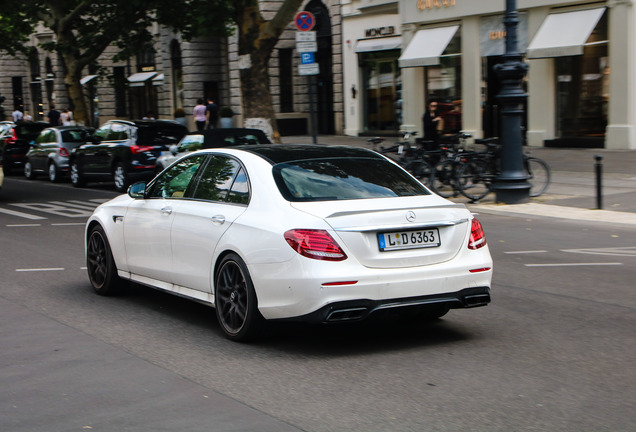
(443,180)
(410,156)
(479,170)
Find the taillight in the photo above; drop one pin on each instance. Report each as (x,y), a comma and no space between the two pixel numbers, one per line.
(64,152)
(140,149)
(477,237)
(315,244)
(12,139)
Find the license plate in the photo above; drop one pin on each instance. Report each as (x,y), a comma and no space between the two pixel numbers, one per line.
(409,239)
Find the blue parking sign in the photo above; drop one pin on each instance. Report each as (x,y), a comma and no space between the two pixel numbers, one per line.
(307,58)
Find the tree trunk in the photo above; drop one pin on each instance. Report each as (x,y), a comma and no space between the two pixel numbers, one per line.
(257,39)
(76,91)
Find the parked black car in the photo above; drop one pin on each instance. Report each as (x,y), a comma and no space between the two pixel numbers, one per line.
(52,149)
(17,144)
(211,138)
(124,151)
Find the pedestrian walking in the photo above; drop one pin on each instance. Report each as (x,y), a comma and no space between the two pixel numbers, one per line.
(17,115)
(200,111)
(212,114)
(54,116)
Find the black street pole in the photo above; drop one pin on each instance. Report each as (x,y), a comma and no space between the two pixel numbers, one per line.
(511,186)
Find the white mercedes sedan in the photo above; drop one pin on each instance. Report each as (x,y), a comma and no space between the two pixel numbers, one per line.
(291,233)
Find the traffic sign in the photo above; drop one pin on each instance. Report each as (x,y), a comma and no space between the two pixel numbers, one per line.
(307,58)
(308,69)
(305,36)
(305,47)
(305,21)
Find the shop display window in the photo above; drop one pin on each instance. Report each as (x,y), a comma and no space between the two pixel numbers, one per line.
(582,84)
(382,91)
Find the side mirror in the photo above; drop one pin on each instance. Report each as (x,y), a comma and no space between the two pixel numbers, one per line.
(137,190)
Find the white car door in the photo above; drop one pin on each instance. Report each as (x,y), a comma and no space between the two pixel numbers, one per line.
(221,196)
(148,222)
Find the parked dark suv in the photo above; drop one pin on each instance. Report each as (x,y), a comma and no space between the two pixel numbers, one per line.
(124,151)
(17,143)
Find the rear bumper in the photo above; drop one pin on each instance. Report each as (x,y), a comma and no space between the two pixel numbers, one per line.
(357,310)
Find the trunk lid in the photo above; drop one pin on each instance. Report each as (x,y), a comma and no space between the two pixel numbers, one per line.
(358,223)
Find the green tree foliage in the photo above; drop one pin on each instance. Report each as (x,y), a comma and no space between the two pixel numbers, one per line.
(84,29)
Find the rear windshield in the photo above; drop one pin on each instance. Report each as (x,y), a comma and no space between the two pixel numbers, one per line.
(344,179)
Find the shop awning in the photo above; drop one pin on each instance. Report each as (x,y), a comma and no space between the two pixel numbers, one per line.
(139,79)
(564,34)
(87,79)
(379,44)
(158,80)
(427,46)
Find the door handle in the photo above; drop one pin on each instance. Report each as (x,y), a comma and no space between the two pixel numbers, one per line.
(218,219)
(166,211)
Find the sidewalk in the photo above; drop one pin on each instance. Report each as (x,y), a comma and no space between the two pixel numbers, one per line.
(572,191)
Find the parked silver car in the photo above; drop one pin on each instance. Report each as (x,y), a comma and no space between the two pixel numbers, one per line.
(51,150)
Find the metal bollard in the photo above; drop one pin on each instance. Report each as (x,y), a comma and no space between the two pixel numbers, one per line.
(599,181)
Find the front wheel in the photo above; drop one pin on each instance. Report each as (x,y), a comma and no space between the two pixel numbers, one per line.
(474,179)
(235,300)
(28,170)
(102,271)
(443,179)
(539,175)
(77,179)
(120,177)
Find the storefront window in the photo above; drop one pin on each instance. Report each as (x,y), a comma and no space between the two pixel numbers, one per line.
(382,91)
(443,84)
(583,88)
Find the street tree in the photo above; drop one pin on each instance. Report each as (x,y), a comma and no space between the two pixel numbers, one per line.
(257,37)
(84,29)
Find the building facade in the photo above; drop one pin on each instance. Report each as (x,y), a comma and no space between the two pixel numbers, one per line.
(173,74)
(399,55)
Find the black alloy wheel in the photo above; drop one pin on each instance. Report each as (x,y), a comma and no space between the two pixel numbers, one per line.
(102,271)
(235,300)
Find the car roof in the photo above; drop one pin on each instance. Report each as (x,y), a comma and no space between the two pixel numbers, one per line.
(284,153)
(216,137)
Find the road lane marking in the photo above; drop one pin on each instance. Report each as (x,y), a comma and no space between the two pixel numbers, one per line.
(573,264)
(617,251)
(40,269)
(23,225)
(526,252)
(20,214)
(55,209)
(68,224)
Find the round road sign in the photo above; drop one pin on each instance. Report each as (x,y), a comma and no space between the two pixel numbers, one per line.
(305,21)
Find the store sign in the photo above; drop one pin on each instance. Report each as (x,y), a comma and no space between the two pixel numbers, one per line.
(493,35)
(434,4)
(379,32)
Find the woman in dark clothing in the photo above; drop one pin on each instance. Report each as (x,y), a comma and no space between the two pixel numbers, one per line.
(431,123)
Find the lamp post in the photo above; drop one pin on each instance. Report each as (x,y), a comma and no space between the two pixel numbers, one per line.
(511,186)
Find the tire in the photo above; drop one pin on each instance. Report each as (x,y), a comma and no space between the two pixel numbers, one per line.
(102,271)
(54,173)
(120,177)
(77,179)
(235,300)
(421,170)
(442,180)
(539,175)
(28,170)
(474,179)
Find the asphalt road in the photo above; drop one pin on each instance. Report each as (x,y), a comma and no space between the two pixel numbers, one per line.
(554,350)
